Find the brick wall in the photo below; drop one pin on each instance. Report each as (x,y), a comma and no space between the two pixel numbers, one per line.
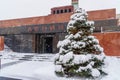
(102,14)
(1,43)
(58,18)
(110,42)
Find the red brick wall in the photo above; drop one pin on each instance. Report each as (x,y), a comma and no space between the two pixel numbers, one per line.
(57,18)
(110,42)
(1,43)
(22,21)
(102,14)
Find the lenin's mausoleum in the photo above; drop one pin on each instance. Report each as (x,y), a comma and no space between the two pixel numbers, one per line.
(41,34)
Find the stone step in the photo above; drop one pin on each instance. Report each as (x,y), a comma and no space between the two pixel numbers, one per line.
(30,57)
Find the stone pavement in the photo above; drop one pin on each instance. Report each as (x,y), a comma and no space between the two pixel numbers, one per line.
(10,64)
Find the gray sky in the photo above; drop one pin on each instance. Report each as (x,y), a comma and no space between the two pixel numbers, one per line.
(12,9)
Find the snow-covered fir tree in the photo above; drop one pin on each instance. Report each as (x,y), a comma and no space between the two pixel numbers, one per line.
(80,53)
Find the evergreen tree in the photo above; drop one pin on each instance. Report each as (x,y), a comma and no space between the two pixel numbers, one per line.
(79,53)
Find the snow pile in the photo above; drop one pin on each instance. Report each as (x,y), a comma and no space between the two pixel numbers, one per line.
(95,73)
(63,43)
(6,49)
(67,57)
(113,69)
(78,59)
(58,68)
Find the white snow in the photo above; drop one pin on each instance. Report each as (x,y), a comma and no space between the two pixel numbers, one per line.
(70,24)
(95,73)
(99,57)
(61,58)
(44,70)
(63,43)
(91,29)
(59,44)
(76,59)
(77,35)
(82,44)
(113,69)
(57,56)
(91,37)
(84,68)
(78,45)
(78,16)
(98,47)
(90,23)
(92,63)
(69,36)
(58,68)
(75,45)
(67,57)
(96,41)
(81,58)
(62,50)
(89,66)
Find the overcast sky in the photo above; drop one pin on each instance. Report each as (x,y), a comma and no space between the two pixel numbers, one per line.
(12,9)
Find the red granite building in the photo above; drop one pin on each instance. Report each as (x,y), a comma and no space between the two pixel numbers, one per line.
(40,34)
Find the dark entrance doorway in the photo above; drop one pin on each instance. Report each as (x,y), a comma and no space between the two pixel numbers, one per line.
(48,44)
(43,43)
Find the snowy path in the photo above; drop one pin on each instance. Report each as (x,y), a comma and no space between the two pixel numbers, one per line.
(6,78)
(16,65)
(10,64)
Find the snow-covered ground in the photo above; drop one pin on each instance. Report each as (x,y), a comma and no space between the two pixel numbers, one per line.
(41,67)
